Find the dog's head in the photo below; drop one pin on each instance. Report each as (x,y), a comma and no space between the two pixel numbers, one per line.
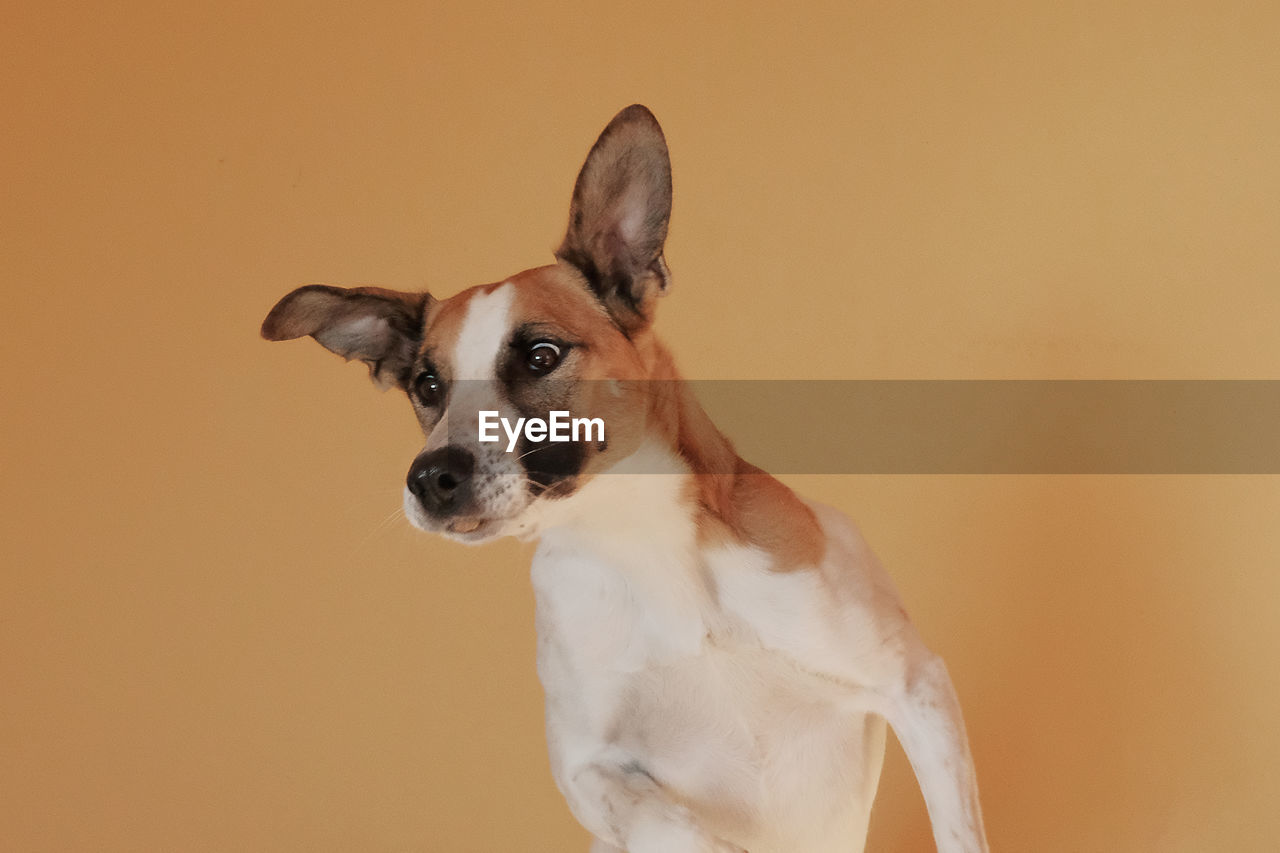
(570,338)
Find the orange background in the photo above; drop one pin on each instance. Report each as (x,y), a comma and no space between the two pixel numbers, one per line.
(216,634)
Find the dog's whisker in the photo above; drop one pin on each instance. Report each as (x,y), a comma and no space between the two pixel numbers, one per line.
(533,451)
(538,487)
(395,515)
(384,525)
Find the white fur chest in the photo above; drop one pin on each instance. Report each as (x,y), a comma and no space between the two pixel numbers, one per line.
(606,616)
(652,657)
(642,665)
(617,584)
(629,666)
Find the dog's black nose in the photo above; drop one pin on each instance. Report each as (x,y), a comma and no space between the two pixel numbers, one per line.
(441,479)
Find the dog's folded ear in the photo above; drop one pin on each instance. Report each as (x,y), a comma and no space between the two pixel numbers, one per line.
(382,328)
(618,217)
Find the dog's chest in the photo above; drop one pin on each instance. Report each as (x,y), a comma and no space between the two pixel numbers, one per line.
(640,664)
(604,622)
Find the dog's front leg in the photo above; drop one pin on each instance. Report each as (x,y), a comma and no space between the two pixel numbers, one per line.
(626,809)
(925,715)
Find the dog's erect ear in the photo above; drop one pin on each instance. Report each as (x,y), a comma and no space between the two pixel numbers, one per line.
(618,217)
(382,328)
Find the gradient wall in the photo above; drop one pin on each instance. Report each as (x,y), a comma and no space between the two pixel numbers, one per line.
(217,634)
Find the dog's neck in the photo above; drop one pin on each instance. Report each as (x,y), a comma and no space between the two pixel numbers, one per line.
(685,487)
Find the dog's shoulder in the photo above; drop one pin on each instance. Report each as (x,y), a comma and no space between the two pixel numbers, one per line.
(805,611)
(849,566)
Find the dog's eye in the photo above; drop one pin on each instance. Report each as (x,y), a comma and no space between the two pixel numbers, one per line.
(542,357)
(429,389)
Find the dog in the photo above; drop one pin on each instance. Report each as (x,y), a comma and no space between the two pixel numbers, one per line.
(719,657)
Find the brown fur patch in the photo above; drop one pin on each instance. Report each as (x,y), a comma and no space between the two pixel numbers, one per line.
(602,376)
(557,294)
(736,501)
(773,518)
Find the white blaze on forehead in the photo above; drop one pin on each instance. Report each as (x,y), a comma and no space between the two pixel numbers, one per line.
(483,333)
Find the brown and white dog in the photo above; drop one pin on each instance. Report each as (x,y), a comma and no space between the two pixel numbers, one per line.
(719,656)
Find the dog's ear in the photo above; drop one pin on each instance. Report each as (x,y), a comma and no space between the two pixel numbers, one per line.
(382,328)
(618,217)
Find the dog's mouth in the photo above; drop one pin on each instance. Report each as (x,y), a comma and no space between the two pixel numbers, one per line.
(465,525)
(472,528)
(498,511)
